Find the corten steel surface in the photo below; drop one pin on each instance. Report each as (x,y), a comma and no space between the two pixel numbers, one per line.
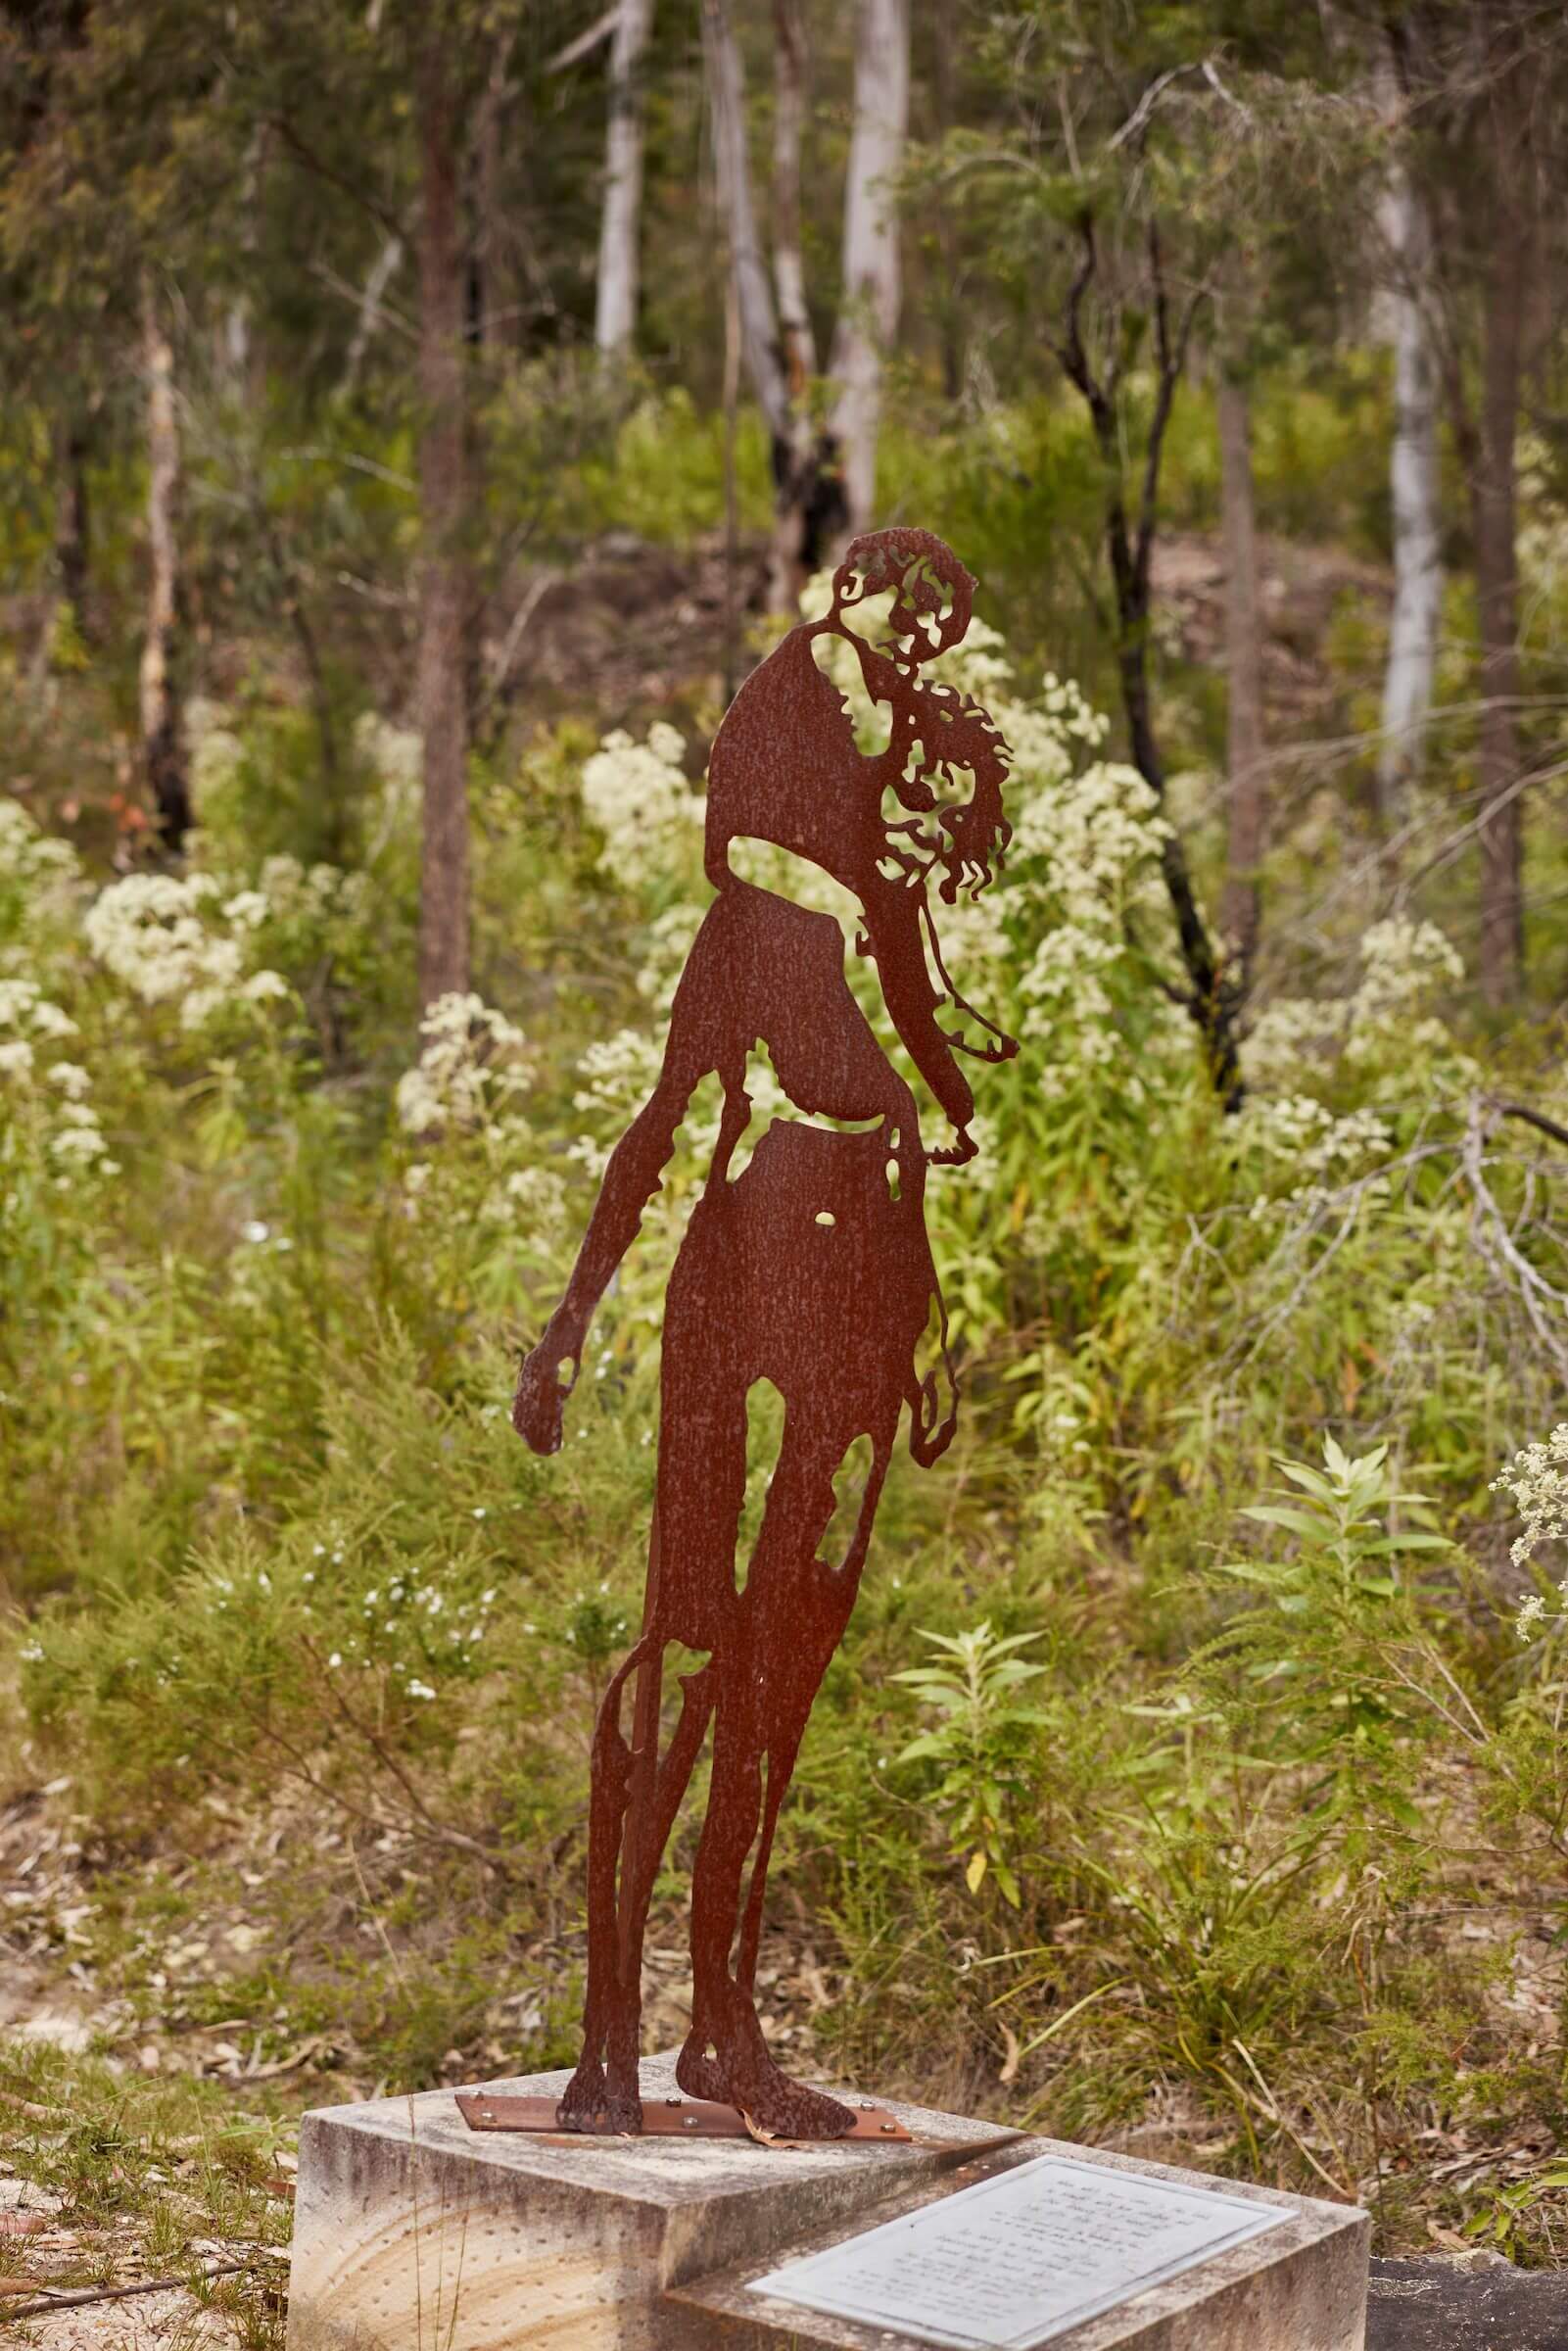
(810,1268)
(660,2117)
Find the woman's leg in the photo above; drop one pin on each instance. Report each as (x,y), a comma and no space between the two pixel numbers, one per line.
(790,1618)
(690,1597)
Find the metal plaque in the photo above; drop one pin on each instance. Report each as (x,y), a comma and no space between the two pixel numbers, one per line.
(1018,2259)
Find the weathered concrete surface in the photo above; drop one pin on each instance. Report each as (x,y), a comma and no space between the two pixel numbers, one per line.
(1299,2287)
(403,2216)
(414,2233)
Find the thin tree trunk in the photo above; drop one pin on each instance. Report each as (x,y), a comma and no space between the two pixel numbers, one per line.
(1245,746)
(759,330)
(789,266)
(1497,575)
(868,319)
(163,750)
(807,496)
(487,307)
(950,310)
(442,489)
(619,223)
(1413,498)
(383,269)
(731,515)
(1211,999)
(73,522)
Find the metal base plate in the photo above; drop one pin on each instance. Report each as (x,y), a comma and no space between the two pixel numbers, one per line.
(662,2118)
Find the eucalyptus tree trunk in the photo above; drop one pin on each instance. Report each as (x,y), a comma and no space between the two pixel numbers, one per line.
(809,504)
(163,750)
(871,285)
(803,487)
(619,223)
(1245,750)
(441,685)
(759,327)
(367,320)
(789,266)
(1413,496)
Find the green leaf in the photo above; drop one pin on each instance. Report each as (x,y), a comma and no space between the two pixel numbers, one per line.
(1278,1513)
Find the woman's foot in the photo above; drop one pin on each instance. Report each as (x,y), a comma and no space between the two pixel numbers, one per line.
(698,2073)
(787,2109)
(592,2103)
(745,2077)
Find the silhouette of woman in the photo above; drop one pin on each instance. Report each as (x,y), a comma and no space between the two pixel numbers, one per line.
(811,1268)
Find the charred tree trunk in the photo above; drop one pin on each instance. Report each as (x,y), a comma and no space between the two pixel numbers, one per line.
(1245,749)
(868,319)
(1211,997)
(620,224)
(73,522)
(1497,578)
(163,750)
(442,694)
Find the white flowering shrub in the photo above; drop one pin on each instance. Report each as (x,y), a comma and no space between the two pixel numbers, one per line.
(1537,1479)
(37,877)
(211,947)
(47,1118)
(637,796)
(474,1153)
(1389,1023)
(183,942)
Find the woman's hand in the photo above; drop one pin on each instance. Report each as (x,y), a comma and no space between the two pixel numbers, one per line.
(539,1407)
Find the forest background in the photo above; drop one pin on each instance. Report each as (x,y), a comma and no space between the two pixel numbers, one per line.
(417,420)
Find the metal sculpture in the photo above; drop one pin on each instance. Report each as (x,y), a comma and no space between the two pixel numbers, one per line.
(810,1268)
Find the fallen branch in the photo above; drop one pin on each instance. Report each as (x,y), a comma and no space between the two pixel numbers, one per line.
(120,2293)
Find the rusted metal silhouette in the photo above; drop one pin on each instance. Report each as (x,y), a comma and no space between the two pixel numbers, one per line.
(810,1268)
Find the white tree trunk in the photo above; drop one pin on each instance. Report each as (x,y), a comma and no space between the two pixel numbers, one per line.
(788,268)
(869,319)
(1414,487)
(620,224)
(383,269)
(759,330)
(163,750)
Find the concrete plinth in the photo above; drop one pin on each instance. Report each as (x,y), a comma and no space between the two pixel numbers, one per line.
(414,2233)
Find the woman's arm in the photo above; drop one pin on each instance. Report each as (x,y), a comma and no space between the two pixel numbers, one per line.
(634,1175)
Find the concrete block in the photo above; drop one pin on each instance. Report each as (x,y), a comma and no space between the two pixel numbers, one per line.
(414,2233)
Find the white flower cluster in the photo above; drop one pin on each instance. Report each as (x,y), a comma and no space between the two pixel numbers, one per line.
(307,897)
(31,863)
(472,1059)
(187,940)
(638,796)
(618,1074)
(1404,966)
(1320,1150)
(1538,1480)
(533,1197)
(56,1091)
